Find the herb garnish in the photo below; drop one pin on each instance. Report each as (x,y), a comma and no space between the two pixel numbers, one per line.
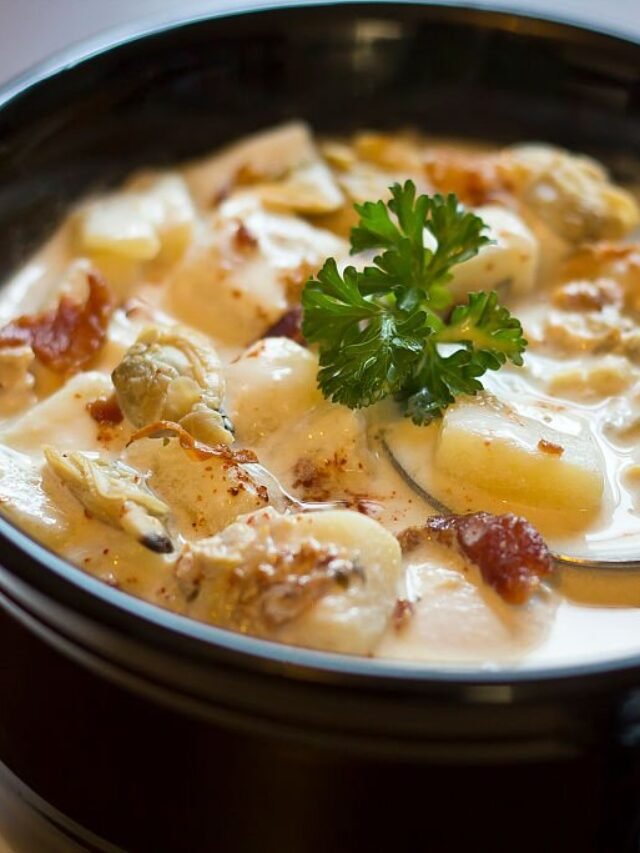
(382,331)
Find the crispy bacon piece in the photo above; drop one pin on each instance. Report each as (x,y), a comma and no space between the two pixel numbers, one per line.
(288,326)
(510,553)
(243,239)
(105,410)
(67,337)
(550,447)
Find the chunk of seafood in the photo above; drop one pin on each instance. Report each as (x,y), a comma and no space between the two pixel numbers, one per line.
(172,373)
(326,580)
(115,494)
(207,488)
(571,193)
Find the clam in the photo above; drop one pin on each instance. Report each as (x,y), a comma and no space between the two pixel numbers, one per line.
(172,374)
(115,494)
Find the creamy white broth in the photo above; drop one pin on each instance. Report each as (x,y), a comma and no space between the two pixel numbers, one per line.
(190,262)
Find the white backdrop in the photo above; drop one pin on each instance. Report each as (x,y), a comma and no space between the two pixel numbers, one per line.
(31,30)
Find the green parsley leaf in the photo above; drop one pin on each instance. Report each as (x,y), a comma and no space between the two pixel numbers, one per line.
(385,330)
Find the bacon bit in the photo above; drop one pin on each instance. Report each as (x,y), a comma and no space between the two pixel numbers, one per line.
(288,326)
(508,550)
(105,410)
(550,447)
(65,338)
(195,449)
(402,613)
(243,239)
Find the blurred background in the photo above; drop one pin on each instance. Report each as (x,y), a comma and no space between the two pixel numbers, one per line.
(31,30)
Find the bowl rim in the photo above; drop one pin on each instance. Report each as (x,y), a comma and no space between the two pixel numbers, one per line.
(68,585)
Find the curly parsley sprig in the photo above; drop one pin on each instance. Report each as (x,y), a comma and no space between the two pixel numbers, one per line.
(389,328)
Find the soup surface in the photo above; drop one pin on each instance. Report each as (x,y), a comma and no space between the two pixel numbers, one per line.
(161,424)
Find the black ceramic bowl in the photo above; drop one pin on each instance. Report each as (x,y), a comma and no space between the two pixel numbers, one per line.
(161,734)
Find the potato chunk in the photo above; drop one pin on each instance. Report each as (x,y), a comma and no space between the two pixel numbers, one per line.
(63,419)
(235,282)
(272,384)
(511,259)
(262,156)
(138,225)
(40,508)
(518,458)
(326,580)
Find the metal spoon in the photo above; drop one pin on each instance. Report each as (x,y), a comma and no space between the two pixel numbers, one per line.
(279,496)
(566,560)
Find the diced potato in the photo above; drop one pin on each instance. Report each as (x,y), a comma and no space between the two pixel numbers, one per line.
(512,259)
(139,225)
(520,459)
(40,510)
(235,289)
(321,455)
(62,419)
(263,156)
(273,384)
(310,189)
(353,620)
(123,225)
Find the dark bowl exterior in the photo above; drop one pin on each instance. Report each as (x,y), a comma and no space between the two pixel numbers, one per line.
(162,734)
